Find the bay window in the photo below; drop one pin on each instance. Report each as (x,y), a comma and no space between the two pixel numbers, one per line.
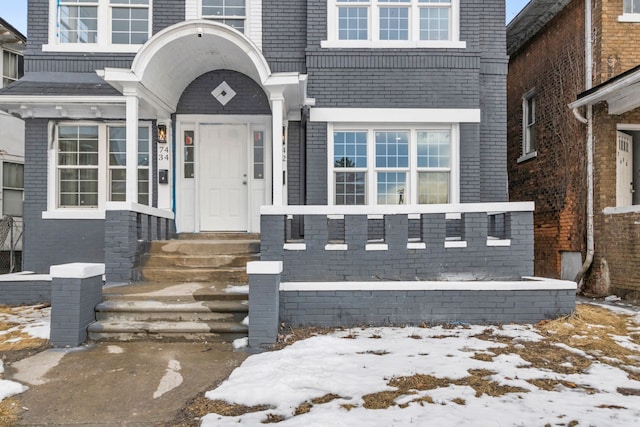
(106,25)
(91,165)
(416,165)
(378,23)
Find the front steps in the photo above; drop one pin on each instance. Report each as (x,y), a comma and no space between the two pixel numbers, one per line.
(194,289)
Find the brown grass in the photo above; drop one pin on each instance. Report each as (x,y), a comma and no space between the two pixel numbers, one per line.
(292,335)
(375,352)
(459,401)
(549,384)
(227,409)
(272,419)
(381,400)
(303,408)
(483,357)
(9,411)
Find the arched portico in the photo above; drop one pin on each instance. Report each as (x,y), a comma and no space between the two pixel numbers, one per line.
(175,57)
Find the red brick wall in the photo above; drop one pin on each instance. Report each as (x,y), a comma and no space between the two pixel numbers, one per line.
(552,63)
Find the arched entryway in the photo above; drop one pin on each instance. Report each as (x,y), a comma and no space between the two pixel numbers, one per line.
(172,80)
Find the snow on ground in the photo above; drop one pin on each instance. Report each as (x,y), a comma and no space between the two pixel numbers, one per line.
(355,363)
(22,323)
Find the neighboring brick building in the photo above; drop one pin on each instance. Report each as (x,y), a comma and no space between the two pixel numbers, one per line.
(547,145)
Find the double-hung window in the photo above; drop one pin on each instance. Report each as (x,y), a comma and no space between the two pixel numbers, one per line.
(12,188)
(229,12)
(91,165)
(12,67)
(630,11)
(104,25)
(528,126)
(397,23)
(382,166)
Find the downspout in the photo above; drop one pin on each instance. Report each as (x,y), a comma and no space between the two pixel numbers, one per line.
(588,60)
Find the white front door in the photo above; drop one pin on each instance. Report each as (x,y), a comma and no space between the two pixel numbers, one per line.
(624,170)
(222,165)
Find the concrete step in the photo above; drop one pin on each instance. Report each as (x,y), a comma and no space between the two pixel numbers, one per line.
(166,331)
(141,311)
(198,261)
(236,275)
(205,247)
(218,236)
(177,292)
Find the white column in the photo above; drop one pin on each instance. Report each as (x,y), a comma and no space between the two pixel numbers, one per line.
(132,145)
(277,105)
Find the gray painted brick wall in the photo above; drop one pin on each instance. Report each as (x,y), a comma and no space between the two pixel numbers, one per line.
(284,34)
(475,262)
(381,308)
(49,242)
(73,303)
(25,292)
(249,98)
(264,309)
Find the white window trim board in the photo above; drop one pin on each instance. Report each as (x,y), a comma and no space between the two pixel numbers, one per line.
(253,14)
(395,115)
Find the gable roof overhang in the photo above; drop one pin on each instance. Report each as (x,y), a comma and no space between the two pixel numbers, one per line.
(10,38)
(531,19)
(177,55)
(621,93)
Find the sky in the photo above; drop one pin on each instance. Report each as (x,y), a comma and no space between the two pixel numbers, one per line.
(15,12)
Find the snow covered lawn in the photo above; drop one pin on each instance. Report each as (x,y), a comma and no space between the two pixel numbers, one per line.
(582,370)
(21,328)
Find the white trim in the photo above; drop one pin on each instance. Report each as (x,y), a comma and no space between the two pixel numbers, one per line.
(336,247)
(499,242)
(455,244)
(92,47)
(629,17)
(397,209)
(628,126)
(76,270)
(621,210)
(416,245)
(395,115)
(401,44)
(295,247)
(264,267)
(527,284)
(376,247)
(73,214)
(527,156)
(136,207)
(24,276)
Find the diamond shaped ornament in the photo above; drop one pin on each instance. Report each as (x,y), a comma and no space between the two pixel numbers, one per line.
(223,93)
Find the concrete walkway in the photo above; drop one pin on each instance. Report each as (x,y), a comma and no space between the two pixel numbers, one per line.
(118,384)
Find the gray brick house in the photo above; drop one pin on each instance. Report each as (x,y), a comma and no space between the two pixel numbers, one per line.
(363,139)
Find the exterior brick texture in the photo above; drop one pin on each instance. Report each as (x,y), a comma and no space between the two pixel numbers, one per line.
(551,65)
(389,308)
(550,179)
(25,292)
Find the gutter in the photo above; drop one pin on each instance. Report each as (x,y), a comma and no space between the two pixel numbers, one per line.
(588,120)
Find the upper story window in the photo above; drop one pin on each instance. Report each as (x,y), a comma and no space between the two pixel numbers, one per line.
(630,11)
(12,67)
(229,12)
(99,25)
(393,23)
(528,126)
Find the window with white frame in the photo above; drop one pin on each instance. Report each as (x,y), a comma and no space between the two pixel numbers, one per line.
(12,67)
(229,12)
(100,23)
(392,165)
(529,124)
(630,11)
(12,188)
(91,165)
(379,23)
